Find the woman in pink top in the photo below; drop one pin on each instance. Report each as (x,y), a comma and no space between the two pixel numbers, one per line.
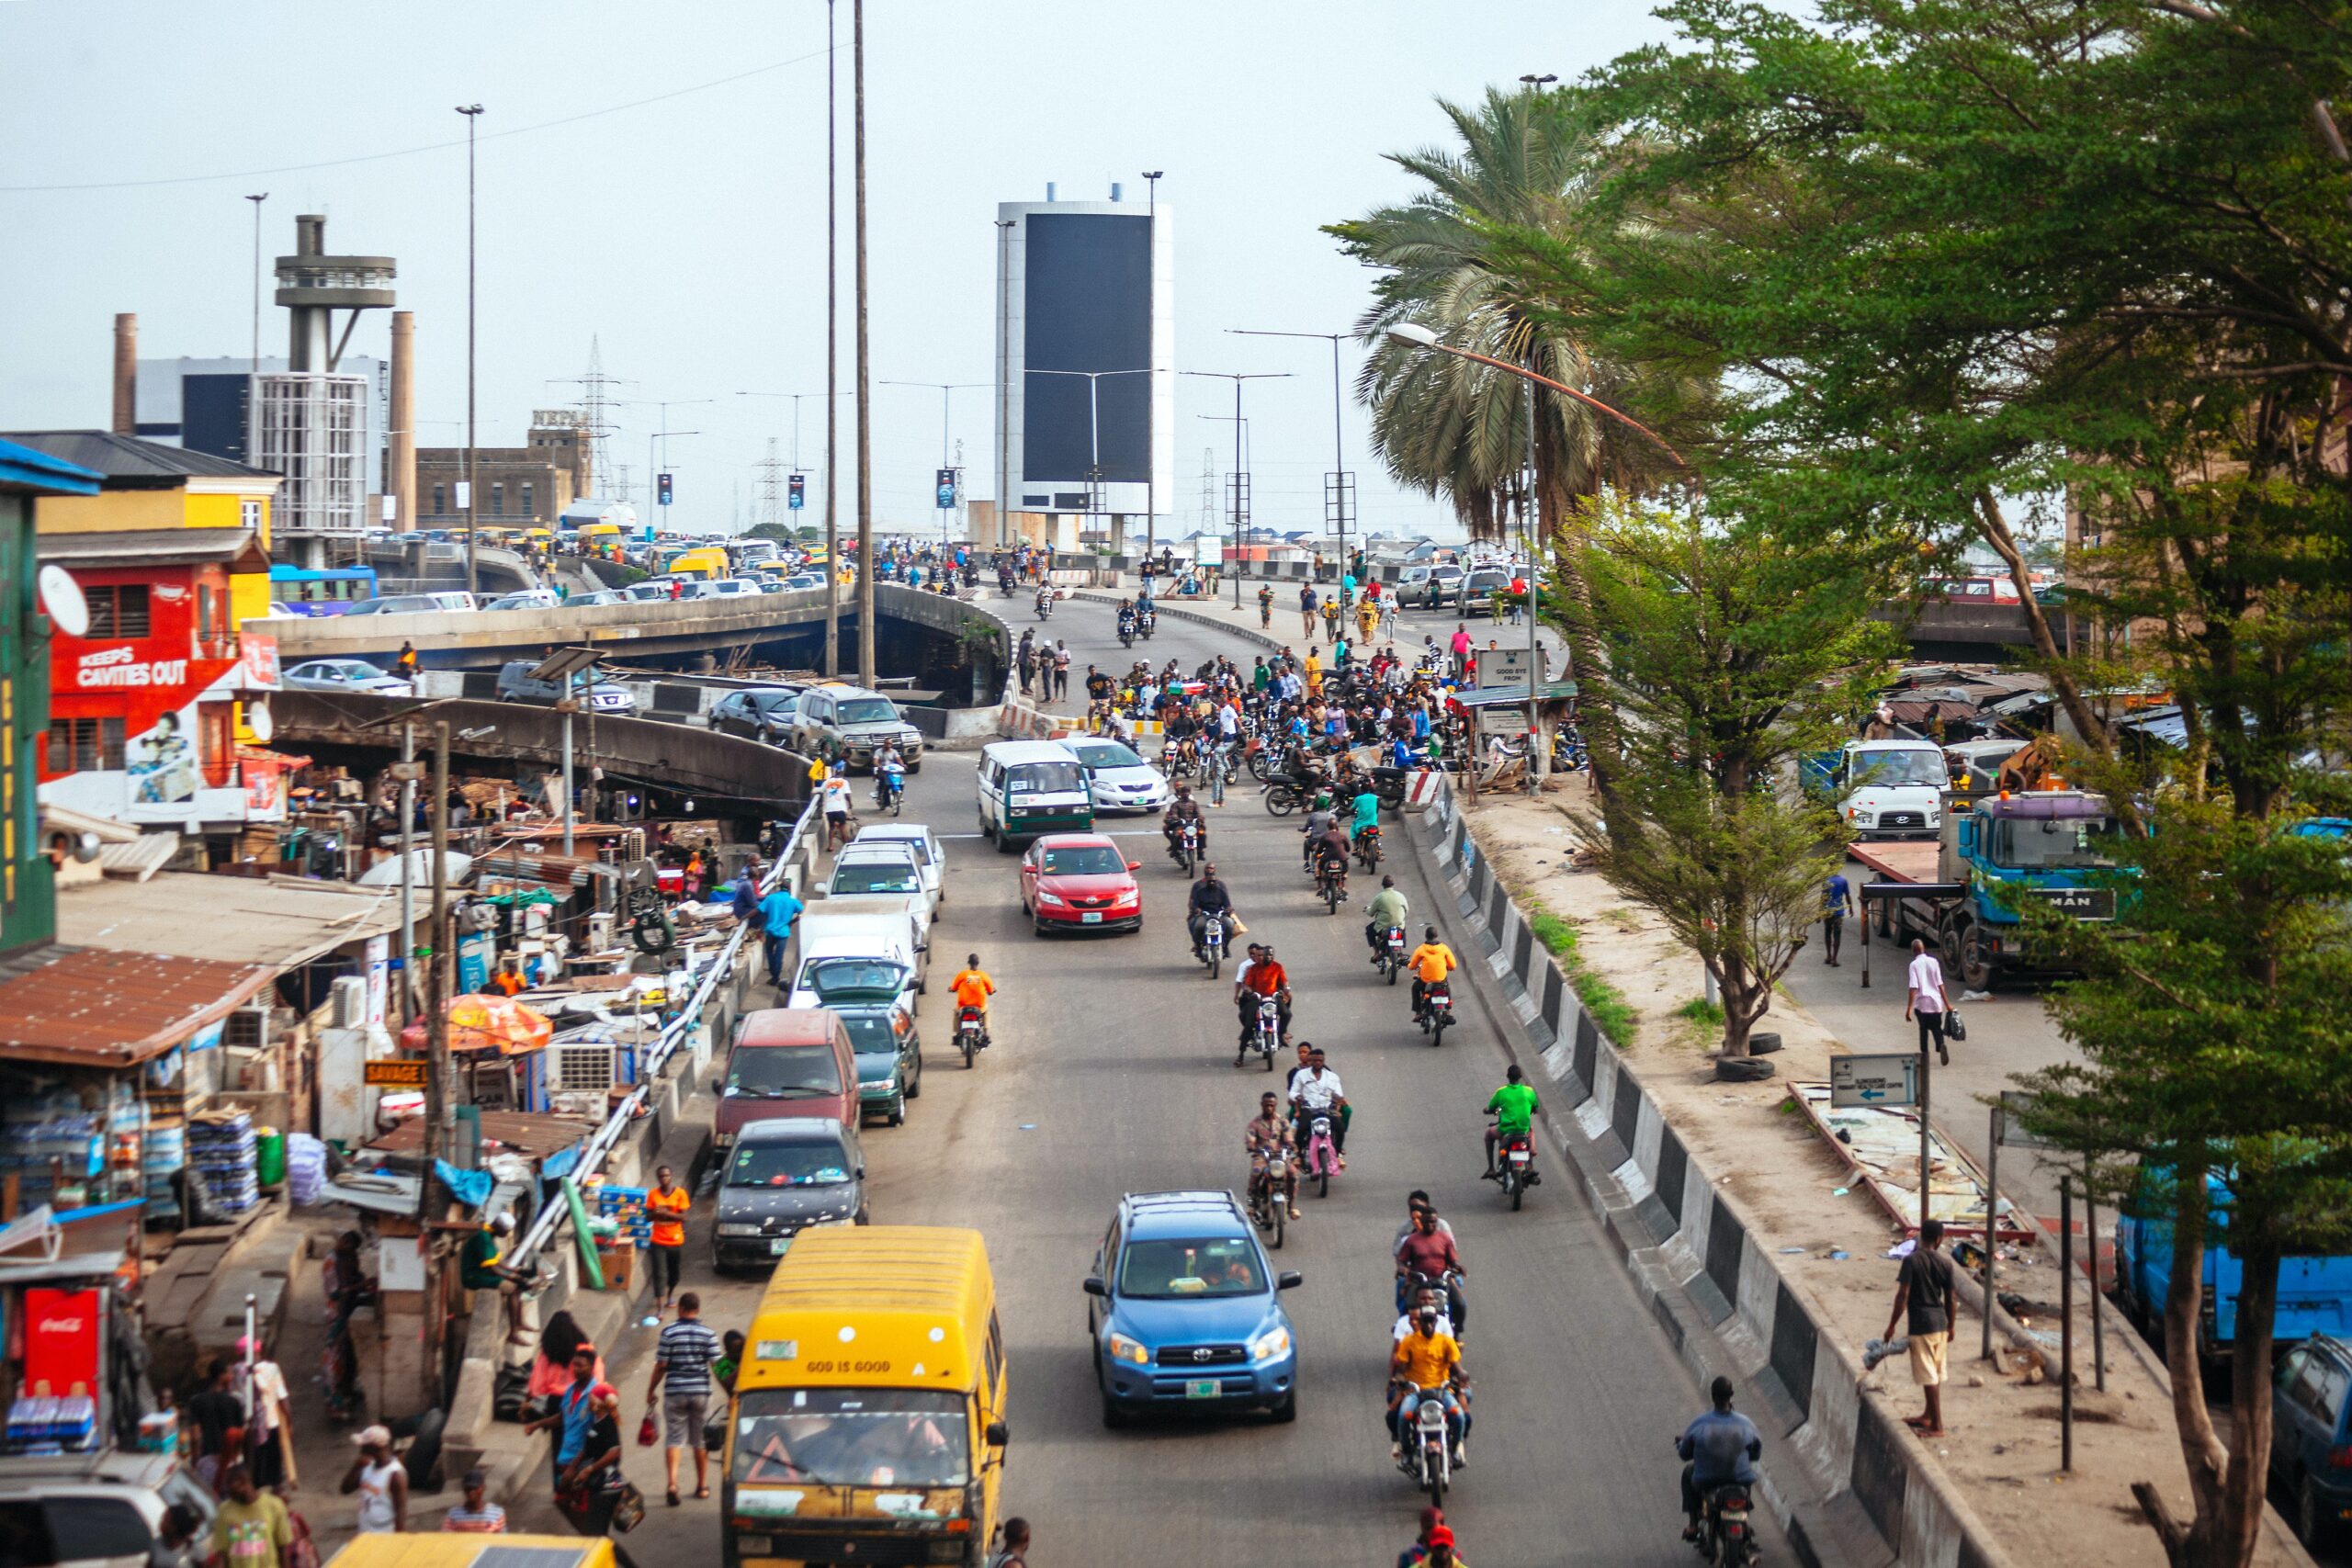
(552,1368)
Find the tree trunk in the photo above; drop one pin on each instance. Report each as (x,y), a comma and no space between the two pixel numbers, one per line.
(2239,1522)
(2190,1545)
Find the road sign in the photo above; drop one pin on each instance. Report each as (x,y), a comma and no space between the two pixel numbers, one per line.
(796,492)
(389,1072)
(1889,1081)
(2014,1102)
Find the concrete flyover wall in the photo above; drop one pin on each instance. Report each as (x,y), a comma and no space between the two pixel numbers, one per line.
(1836,1467)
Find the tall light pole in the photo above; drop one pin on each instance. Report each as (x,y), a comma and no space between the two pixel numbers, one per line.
(657,443)
(833,363)
(473,570)
(1094,425)
(1004,532)
(1412,334)
(257,200)
(1151,178)
(866,672)
(947,391)
(1239,484)
(798,399)
(1340,493)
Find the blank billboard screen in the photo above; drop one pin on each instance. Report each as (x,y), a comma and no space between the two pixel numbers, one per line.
(1088,302)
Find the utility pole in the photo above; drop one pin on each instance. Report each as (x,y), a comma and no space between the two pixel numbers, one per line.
(408,872)
(946,390)
(1239,485)
(1151,178)
(437,974)
(866,672)
(832,362)
(257,200)
(1339,487)
(473,570)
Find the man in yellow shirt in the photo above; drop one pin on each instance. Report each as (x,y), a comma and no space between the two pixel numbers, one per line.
(1427,1365)
(1313,671)
(973,988)
(1431,962)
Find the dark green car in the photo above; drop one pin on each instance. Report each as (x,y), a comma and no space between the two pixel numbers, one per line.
(889,1058)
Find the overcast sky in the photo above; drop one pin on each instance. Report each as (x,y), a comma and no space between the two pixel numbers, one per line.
(687,234)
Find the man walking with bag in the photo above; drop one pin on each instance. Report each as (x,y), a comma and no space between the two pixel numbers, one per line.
(1925,1000)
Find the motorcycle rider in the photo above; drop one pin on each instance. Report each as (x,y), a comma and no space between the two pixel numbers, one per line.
(1184,809)
(1721,1447)
(1429,1252)
(1209,897)
(1317,1090)
(1263,1137)
(1257,978)
(890,774)
(973,988)
(1126,620)
(1319,822)
(1330,854)
(1431,962)
(1367,811)
(1513,1107)
(1387,912)
(1426,1365)
(1044,600)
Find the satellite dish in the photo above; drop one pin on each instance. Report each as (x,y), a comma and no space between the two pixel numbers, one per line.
(258,720)
(60,596)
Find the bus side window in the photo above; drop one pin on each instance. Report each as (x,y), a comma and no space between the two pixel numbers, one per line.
(996,1362)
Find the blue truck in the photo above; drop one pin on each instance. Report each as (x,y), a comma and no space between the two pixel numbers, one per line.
(2314,1294)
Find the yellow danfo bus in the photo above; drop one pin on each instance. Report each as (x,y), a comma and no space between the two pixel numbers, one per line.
(868,1424)
(460,1551)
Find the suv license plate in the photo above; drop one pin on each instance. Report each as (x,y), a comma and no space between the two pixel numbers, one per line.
(1091,918)
(1203,1388)
(777,1248)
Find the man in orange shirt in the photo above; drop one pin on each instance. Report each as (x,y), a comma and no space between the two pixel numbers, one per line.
(667,1203)
(973,988)
(1257,978)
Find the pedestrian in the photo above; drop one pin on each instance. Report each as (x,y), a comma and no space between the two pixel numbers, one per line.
(1925,998)
(1306,610)
(1837,899)
(779,910)
(269,1436)
(380,1482)
(251,1528)
(683,1358)
(219,1416)
(507,979)
(559,1338)
(1924,1304)
(591,1486)
(1014,1552)
(176,1537)
(573,1412)
(1061,670)
(476,1515)
(406,662)
(667,1203)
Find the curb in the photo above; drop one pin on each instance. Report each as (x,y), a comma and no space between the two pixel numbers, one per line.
(1860,1485)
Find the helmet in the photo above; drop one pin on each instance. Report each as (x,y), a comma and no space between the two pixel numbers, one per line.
(1321,800)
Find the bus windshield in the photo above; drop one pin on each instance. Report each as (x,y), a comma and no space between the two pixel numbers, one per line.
(1048,778)
(851,1437)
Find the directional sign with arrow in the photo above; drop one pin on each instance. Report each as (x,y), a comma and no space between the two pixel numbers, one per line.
(1885,1081)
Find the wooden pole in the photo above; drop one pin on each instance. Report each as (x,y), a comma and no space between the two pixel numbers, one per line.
(1991,1221)
(2065,1323)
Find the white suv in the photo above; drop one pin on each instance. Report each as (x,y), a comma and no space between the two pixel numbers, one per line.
(94,1510)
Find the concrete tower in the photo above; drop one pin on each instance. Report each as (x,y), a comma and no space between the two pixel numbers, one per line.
(313,285)
(310,424)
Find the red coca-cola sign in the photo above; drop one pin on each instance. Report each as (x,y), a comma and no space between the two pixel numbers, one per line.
(61,1338)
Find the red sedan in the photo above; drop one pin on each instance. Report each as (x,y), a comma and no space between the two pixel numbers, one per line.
(1079,882)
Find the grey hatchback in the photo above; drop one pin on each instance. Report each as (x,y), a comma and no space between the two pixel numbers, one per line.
(2311,1436)
(782,1175)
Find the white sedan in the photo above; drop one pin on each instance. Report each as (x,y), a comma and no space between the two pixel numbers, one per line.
(343,675)
(1118,778)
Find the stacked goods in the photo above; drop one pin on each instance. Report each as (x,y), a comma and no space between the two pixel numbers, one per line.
(48,1136)
(220,1150)
(306,1168)
(625,1205)
(43,1423)
(165,1153)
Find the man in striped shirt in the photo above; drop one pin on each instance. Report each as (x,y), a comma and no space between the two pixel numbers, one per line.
(477,1514)
(682,1359)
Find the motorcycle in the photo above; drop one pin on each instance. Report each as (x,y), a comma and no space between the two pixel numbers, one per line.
(1390,956)
(1436,1014)
(1145,621)
(1210,949)
(971,1033)
(1516,1157)
(1004,584)
(1126,631)
(1321,1160)
(1330,884)
(890,791)
(1429,1455)
(1726,1533)
(1185,847)
(1044,606)
(1367,847)
(1270,1196)
(1267,1037)
(1281,798)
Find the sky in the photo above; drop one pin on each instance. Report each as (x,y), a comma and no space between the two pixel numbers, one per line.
(683,232)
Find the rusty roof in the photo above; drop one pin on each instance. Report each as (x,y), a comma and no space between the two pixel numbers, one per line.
(530,1134)
(91,1007)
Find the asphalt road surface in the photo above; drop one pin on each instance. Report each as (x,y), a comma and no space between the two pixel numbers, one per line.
(1113,1072)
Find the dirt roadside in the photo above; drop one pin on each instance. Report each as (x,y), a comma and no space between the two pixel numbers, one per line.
(2002,1449)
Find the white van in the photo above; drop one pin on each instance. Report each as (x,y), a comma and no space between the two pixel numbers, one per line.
(1892,789)
(865,932)
(1032,787)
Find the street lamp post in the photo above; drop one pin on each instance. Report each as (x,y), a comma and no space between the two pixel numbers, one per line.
(1241,481)
(946,390)
(657,442)
(257,200)
(1343,489)
(1094,426)
(473,570)
(1151,178)
(833,359)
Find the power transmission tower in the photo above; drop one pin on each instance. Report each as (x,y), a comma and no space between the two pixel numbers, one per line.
(596,405)
(1209,490)
(771,469)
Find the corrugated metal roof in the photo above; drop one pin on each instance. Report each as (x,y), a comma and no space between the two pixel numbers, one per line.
(224,918)
(140,858)
(113,457)
(156,547)
(88,1007)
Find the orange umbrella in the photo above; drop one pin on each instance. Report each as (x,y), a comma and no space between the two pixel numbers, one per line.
(482,1023)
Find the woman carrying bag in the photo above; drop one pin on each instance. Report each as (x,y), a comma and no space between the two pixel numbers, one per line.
(593,1494)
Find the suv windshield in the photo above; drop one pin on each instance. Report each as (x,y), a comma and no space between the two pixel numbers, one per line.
(783,1072)
(851,1437)
(847,976)
(820,1164)
(1888,770)
(1048,778)
(2056,842)
(875,877)
(867,710)
(1087,860)
(1173,1271)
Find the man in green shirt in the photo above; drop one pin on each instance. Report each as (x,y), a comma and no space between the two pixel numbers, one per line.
(250,1529)
(1387,912)
(1513,1107)
(1261,677)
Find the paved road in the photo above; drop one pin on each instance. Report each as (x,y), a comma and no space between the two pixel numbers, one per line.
(1113,1073)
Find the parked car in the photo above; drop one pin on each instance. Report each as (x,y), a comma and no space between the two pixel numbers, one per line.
(1432,586)
(1482,583)
(1080,881)
(721,588)
(805,579)
(528,599)
(931,856)
(343,675)
(889,1058)
(659,590)
(601,596)
(435,602)
(790,1061)
(833,975)
(2311,1436)
(1186,1312)
(762,713)
(517,685)
(1118,778)
(98,1510)
(782,1176)
(844,724)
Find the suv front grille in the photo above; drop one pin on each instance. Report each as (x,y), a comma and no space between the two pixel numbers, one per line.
(1202,1354)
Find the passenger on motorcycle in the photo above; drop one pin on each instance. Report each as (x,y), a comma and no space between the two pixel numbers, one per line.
(1721,1448)
(1316,823)
(1127,618)
(1426,1365)
(1317,1090)
(1431,962)
(1513,1107)
(1387,912)
(1257,978)
(1184,809)
(1265,1136)
(1428,1250)
(1428,1296)
(1331,852)
(1209,897)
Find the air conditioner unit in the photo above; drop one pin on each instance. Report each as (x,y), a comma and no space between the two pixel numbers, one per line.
(602,930)
(581,1066)
(256,1023)
(350,1002)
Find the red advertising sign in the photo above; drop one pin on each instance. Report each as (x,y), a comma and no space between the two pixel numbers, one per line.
(61,1338)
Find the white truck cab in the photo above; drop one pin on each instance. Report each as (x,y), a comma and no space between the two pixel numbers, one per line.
(1892,789)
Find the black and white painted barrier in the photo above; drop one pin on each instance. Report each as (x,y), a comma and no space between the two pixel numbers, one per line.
(1838,1468)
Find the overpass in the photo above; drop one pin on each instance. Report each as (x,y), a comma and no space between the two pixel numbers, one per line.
(727,776)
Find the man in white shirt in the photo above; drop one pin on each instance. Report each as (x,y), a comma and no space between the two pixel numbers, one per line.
(1428,1297)
(1925,1000)
(1317,1089)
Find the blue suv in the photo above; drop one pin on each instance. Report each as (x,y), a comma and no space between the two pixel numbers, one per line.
(1186,1311)
(2311,1436)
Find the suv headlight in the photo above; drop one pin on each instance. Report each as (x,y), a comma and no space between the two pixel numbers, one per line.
(1275,1342)
(1122,1349)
